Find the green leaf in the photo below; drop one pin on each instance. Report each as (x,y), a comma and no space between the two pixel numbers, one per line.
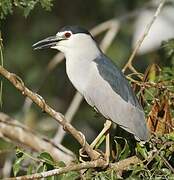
(17,165)
(7,6)
(60,164)
(41,168)
(122,148)
(100,141)
(30,169)
(46,157)
(141,149)
(170,136)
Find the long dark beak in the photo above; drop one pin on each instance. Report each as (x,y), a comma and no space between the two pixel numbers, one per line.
(47,43)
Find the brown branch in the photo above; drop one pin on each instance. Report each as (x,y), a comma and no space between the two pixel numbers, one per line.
(76,167)
(124,164)
(121,165)
(16,132)
(118,166)
(18,83)
(140,41)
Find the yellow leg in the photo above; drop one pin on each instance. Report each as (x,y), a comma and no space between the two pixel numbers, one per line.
(107,153)
(107,126)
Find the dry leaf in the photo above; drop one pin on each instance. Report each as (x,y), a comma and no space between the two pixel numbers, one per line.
(159,120)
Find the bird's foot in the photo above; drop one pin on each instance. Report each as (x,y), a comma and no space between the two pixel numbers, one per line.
(83,157)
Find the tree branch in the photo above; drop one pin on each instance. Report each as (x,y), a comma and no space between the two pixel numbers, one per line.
(118,166)
(19,84)
(16,132)
(140,41)
(124,164)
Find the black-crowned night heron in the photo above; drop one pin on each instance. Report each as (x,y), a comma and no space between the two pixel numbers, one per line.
(101,83)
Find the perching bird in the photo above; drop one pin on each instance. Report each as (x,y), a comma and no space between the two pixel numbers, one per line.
(101,83)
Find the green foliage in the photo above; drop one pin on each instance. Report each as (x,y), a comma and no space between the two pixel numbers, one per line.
(122,148)
(46,157)
(158,159)
(7,6)
(43,162)
(141,149)
(17,165)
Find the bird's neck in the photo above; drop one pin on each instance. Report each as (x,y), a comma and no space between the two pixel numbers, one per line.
(79,65)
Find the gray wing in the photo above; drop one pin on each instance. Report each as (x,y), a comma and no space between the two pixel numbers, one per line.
(112,95)
(116,79)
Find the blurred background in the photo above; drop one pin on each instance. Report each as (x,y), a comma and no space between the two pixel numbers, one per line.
(19,33)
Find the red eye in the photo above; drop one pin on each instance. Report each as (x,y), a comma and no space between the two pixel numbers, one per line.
(67,34)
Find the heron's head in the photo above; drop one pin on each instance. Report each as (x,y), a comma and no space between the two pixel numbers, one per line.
(69,39)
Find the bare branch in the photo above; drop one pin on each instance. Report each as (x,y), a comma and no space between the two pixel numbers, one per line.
(122,165)
(139,43)
(76,167)
(110,35)
(18,83)
(18,133)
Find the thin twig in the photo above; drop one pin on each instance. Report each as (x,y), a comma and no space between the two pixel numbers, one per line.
(76,167)
(140,41)
(18,83)
(167,163)
(149,159)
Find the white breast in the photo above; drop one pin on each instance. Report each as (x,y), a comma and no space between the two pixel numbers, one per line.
(78,71)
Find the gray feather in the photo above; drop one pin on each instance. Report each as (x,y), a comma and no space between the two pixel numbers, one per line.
(112,95)
(116,79)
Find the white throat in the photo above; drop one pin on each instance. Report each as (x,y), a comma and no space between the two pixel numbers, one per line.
(79,52)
